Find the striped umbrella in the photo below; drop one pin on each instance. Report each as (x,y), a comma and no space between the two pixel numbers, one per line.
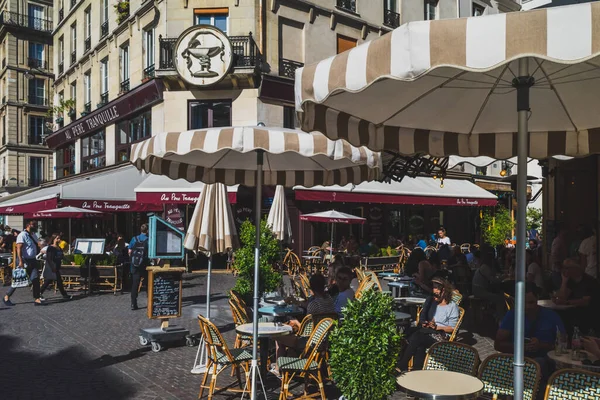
(251,156)
(451,87)
(279,218)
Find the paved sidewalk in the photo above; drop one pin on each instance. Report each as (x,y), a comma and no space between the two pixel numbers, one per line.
(88,348)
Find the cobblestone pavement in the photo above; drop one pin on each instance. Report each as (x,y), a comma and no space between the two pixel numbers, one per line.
(88,348)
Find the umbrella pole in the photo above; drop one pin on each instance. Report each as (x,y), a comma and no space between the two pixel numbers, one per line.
(210,260)
(522,83)
(331,245)
(69,244)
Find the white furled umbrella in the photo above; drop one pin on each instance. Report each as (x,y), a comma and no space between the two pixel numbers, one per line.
(455,87)
(279,218)
(332,217)
(251,156)
(211,231)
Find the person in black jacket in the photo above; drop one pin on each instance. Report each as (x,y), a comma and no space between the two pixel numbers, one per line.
(54,256)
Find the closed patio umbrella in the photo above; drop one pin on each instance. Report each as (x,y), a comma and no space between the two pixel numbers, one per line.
(279,219)
(251,156)
(332,217)
(515,84)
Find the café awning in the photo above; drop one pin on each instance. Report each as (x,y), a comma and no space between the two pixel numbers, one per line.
(160,189)
(416,191)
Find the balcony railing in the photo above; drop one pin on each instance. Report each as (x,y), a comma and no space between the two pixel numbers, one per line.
(391,18)
(103,99)
(245,52)
(87,44)
(87,107)
(149,72)
(37,100)
(37,63)
(104,29)
(288,68)
(125,86)
(61,14)
(26,21)
(73,3)
(73,57)
(61,67)
(348,5)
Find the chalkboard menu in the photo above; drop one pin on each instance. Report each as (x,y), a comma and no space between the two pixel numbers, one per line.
(164,292)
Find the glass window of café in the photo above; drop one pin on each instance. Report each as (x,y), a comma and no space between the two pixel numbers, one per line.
(93,151)
(209,114)
(132,131)
(65,161)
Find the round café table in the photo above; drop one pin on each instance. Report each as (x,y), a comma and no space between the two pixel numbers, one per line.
(388,275)
(440,385)
(564,361)
(266,330)
(396,286)
(553,305)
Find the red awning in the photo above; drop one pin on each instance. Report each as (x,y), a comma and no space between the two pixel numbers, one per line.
(29,207)
(168,197)
(113,206)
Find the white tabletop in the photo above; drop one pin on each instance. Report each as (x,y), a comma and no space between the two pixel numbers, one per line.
(448,385)
(411,300)
(552,305)
(265,329)
(565,361)
(398,284)
(311,257)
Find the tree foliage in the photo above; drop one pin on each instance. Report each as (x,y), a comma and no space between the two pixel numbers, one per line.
(365,348)
(244,260)
(496,225)
(534,218)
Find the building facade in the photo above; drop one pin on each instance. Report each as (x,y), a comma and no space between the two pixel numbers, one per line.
(26,87)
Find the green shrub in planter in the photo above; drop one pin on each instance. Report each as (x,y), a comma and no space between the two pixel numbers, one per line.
(79,259)
(365,348)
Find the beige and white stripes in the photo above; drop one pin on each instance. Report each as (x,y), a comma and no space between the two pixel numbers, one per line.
(445,87)
(229,156)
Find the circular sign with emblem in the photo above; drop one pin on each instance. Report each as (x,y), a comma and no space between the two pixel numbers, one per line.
(203,55)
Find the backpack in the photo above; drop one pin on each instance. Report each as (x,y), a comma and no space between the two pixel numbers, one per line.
(139,253)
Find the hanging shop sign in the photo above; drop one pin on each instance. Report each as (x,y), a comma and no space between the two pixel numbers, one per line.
(203,55)
(175,197)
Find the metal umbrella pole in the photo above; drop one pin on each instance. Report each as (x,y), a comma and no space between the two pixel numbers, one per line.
(522,83)
(201,354)
(331,244)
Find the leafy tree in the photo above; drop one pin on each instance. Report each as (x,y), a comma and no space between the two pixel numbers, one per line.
(534,218)
(365,348)
(496,225)
(244,260)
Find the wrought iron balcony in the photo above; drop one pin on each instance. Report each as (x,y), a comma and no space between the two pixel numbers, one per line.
(37,100)
(61,14)
(87,107)
(104,29)
(149,72)
(288,68)
(125,86)
(61,67)
(37,63)
(348,5)
(87,44)
(103,99)
(73,57)
(26,21)
(391,18)
(245,52)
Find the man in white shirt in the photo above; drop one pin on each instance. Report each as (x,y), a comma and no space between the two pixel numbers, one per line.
(587,253)
(343,279)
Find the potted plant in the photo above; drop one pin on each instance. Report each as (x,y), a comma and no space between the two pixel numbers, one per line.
(122,9)
(365,348)
(496,226)
(244,261)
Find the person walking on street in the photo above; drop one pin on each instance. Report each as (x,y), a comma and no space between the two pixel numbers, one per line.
(27,250)
(54,256)
(138,254)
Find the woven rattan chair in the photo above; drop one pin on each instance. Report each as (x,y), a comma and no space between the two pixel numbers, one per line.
(573,384)
(452,356)
(461,316)
(496,372)
(220,357)
(292,263)
(305,285)
(457,297)
(240,317)
(308,365)
(306,326)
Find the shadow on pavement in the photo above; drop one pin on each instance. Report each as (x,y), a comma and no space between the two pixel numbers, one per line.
(201,299)
(107,360)
(63,375)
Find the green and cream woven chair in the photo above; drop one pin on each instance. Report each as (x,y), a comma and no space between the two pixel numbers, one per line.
(573,384)
(452,356)
(457,297)
(306,326)
(496,373)
(220,357)
(308,365)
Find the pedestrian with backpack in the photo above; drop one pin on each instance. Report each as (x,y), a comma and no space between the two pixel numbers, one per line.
(138,254)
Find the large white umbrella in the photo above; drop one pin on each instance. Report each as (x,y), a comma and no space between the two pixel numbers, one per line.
(211,231)
(251,156)
(454,87)
(279,218)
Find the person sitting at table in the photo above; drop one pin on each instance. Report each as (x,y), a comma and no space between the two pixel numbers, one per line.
(412,264)
(437,321)
(592,346)
(485,282)
(541,325)
(345,292)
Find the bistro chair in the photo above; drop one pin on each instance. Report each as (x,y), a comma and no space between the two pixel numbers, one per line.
(461,316)
(509,301)
(306,326)
(452,356)
(465,248)
(457,297)
(496,373)
(240,317)
(573,384)
(308,365)
(305,285)
(292,262)
(220,357)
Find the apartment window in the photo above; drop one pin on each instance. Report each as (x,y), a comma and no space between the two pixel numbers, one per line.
(65,160)
(93,151)
(478,10)
(36,54)
(481,171)
(73,93)
(37,91)
(36,129)
(124,60)
(132,131)
(87,91)
(104,19)
(149,48)
(289,118)
(4,130)
(345,43)
(36,16)
(36,171)
(87,28)
(209,114)
(61,54)
(73,43)
(430,6)
(104,81)
(216,17)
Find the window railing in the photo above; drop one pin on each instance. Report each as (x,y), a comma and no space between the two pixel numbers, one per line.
(61,14)
(348,5)
(391,18)
(26,21)
(167,49)
(73,57)
(37,63)
(288,68)
(149,72)
(125,86)
(38,100)
(87,107)
(87,44)
(104,29)
(73,3)
(61,67)
(103,99)
(35,138)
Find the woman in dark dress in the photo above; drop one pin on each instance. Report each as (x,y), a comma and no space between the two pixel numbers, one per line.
(54,256)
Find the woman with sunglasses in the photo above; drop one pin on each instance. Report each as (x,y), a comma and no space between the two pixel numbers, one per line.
(438,319)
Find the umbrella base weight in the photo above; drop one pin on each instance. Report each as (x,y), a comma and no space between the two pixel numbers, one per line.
(156,337)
